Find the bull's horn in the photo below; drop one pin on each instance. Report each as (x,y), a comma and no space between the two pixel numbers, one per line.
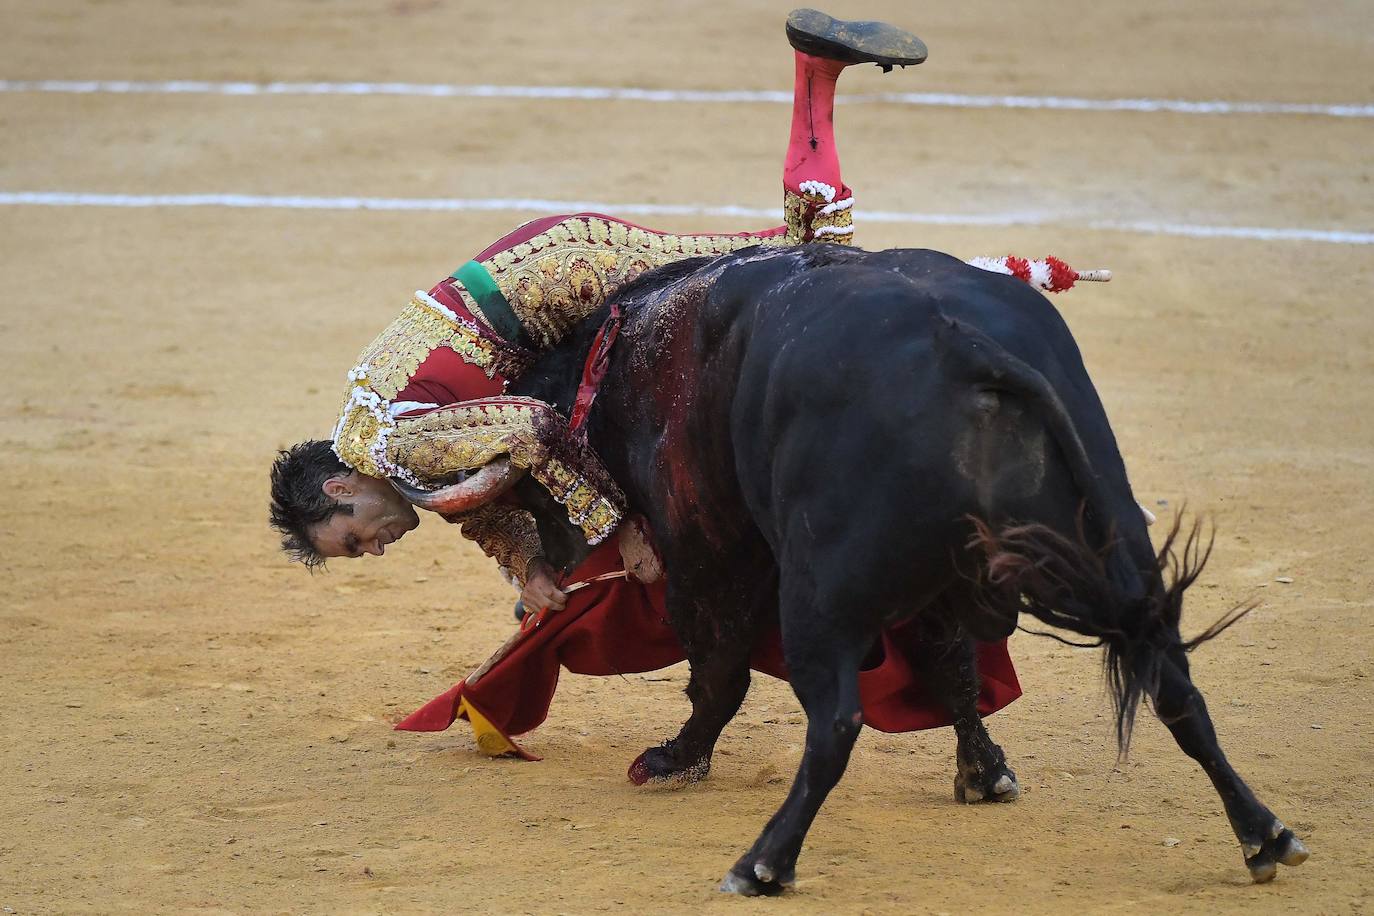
(493,479)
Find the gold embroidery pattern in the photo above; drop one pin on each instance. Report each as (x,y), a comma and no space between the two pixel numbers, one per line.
(808,220)
(359,431)
(565,273)
(420,328)
(462,437)
(387,364)
(507,534)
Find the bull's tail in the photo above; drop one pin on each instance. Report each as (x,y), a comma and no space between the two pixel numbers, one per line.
(1065,583)
(1104,582)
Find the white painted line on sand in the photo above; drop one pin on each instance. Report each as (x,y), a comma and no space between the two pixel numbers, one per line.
(539,205)
(612,93)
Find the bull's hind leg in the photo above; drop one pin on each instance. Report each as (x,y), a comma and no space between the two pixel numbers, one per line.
(1264,840)
(823,653)
(950,668)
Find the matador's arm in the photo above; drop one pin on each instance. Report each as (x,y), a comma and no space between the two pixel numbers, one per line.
(435,446)
(505,533)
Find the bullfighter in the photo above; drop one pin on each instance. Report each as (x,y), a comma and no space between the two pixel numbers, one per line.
(425,405)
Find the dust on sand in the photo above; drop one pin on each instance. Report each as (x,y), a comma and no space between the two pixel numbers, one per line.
(193,725)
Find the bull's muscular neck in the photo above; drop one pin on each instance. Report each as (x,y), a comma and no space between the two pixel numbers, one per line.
(554,379)
(555,375)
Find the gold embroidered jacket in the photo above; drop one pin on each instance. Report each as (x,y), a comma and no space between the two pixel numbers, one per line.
(424,399)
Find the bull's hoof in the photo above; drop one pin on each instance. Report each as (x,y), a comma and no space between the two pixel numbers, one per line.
(757,880)
(662,764)
(1282,847)
(996,785)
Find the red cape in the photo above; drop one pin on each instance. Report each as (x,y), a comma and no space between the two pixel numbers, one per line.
(621,627)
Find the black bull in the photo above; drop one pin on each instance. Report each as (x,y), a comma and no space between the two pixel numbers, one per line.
(848,438)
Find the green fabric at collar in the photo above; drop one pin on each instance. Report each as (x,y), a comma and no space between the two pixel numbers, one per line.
(495,308)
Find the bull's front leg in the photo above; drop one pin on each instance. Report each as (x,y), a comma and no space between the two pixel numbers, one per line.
(718,627)
(716,688)
(823,648)
(950,667)
(1264,840)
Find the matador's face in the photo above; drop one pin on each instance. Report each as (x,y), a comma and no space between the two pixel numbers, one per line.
(381,516)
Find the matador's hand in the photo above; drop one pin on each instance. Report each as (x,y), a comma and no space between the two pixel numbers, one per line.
(541,587)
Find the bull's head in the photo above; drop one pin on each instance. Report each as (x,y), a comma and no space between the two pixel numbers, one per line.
(476,489)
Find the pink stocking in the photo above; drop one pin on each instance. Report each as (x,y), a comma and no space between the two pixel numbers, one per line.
(811,154)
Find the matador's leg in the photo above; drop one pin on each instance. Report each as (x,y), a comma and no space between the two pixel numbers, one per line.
(553,272)
(816,201)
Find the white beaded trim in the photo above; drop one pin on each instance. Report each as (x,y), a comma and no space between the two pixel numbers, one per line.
(817,187)
(837,206)
(435,305)
(359,398)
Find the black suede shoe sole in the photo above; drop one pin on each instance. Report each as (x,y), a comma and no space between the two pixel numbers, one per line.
(813,32)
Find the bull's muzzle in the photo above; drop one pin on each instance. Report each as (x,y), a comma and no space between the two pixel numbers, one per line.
(477,489)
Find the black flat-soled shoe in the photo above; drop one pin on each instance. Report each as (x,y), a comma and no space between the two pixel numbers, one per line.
(813,32)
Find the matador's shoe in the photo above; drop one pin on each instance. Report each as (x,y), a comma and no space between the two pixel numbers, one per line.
(813,32)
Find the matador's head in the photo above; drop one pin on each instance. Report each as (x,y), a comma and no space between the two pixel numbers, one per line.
(324,509)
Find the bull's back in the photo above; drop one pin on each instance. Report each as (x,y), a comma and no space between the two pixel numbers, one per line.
(855,420)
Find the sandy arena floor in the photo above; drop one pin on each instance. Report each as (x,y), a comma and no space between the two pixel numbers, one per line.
(194,725)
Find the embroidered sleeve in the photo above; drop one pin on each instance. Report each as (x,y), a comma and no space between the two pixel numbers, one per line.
(507,534)
(469,434)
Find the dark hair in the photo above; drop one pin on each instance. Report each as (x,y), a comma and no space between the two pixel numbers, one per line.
(298,499)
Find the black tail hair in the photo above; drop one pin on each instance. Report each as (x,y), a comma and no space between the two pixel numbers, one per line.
(1065,583)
